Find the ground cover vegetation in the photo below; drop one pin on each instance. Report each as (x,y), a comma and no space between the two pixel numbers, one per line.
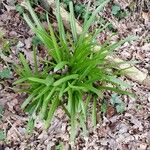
(73,76)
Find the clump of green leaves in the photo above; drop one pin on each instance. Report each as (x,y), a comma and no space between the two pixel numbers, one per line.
(19,9)
(117,103)
(5,45)
(118,12)
(2,135)
(75,71)
(5,73)
(79,8)
(66,2)
(115,9)
(30,126)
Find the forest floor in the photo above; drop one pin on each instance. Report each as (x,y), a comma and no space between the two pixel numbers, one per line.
(127,131)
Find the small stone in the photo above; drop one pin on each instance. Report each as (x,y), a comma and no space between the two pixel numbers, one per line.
(104,142)
(39,124)
(122,128)
(30,32)
(143,146)
(127,115)
(149,98)
(63,128)
(20,44)
(28,42)
(13,33)
(22,130)
(146,59)
(1,87)
(50,145)
(126,54)
(46,141)
(129,139)
(43,135)
(136,137)
(120,138)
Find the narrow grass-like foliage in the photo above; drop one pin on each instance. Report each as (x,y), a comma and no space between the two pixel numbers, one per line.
(82,72)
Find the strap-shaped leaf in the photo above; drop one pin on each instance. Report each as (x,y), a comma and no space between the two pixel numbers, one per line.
(20,81)
(28,100)
(34,16)
(60,65)
(94,116)
(42,92)
(54,40)
(25,64)
(53,108)
(72,22)
(60,22)
(64,79)
(117,81)
(35,59)
(46,101)
(34,79)
(89,22)
(117,90)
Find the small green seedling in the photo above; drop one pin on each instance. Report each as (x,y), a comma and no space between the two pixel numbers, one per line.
(117,103)
(30,126)
(118,12)
(5,73)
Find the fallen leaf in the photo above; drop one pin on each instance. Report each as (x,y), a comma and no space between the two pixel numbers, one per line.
(110,111)
(28,43)
(146,17)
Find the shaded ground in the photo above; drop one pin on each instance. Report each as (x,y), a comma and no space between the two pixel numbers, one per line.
(130,130)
